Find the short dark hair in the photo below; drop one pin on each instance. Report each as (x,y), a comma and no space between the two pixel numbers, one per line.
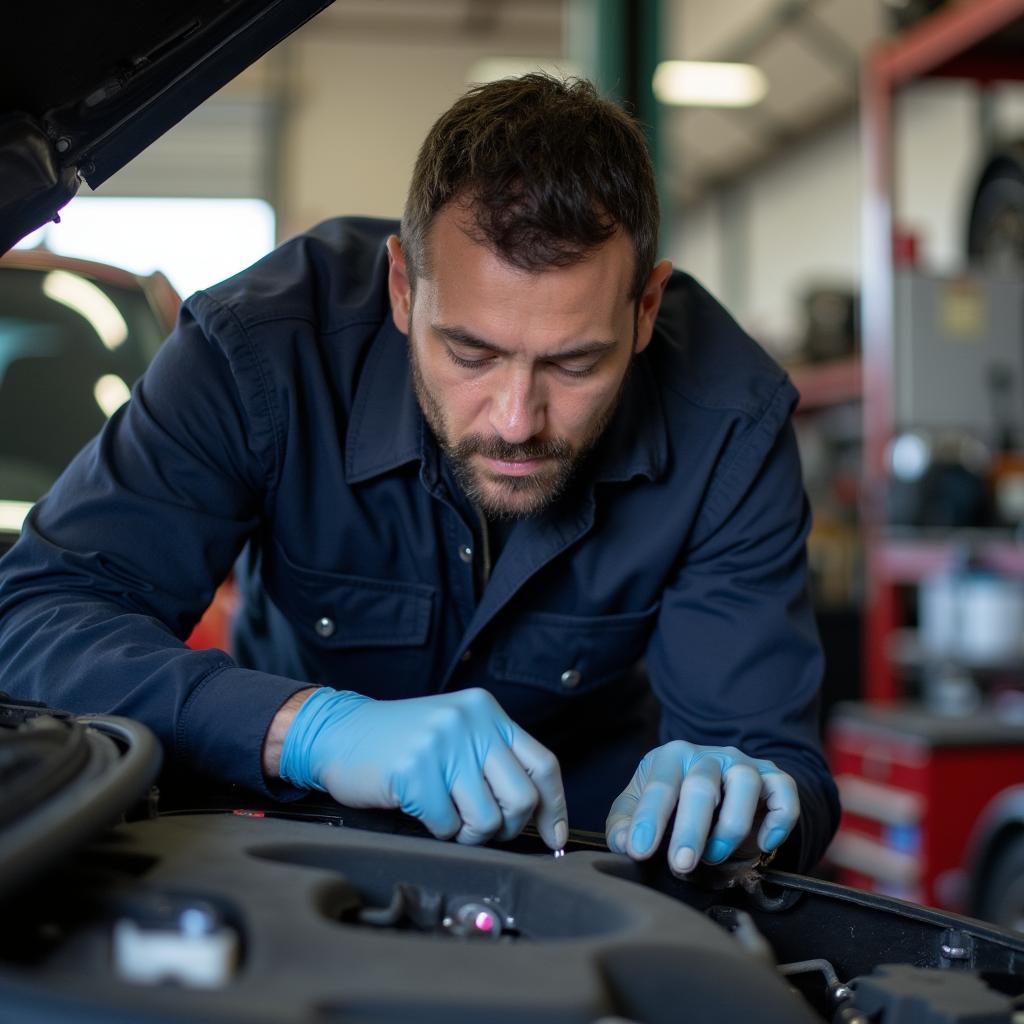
(548,169)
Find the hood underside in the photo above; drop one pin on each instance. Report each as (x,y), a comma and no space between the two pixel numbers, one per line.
(84,88)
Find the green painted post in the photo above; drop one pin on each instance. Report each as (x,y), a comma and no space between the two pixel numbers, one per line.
(617,43)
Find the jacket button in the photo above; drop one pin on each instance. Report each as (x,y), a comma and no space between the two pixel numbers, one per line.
(466,553)
(324,627)
(571,678)
(466,655)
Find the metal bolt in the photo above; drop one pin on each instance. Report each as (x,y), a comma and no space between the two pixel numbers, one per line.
(956,945)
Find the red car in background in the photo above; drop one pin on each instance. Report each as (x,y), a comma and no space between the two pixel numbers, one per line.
(74,337)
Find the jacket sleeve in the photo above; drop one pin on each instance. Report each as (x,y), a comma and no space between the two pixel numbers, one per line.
(117,563)
(735,658)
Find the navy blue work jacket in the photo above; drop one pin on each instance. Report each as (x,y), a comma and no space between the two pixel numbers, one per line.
(279,417)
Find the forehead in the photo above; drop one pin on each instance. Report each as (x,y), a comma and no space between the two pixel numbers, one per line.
(470,284)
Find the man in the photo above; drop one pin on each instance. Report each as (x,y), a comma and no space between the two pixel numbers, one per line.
(479,469)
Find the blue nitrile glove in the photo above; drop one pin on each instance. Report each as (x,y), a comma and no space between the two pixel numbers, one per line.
(455,761)
(689,779)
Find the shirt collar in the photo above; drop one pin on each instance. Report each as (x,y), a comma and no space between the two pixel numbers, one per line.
(635,442)
(387,429)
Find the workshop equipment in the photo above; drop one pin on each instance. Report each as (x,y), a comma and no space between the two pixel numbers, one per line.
(911,784)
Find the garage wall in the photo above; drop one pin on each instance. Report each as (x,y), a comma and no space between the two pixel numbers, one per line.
(359,110)
(801,213)
(222,149)
(217,150)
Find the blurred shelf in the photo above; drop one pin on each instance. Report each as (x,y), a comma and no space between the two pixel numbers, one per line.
(825,384)
(980,40)
(906,650)
(909,557)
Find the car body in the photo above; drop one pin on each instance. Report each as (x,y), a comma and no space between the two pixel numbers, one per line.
(75,335)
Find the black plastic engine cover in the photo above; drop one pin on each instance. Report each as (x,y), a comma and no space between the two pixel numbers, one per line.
(901,994)
(584,941)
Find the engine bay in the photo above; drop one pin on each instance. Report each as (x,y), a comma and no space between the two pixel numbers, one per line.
(319,913)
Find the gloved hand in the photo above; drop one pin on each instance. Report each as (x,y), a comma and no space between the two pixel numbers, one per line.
(455,761)
(689,779)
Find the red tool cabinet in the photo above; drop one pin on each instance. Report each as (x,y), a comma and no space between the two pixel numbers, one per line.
(912,785)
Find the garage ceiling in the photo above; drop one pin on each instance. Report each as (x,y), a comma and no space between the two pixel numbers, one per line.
(509,22)
(810,51)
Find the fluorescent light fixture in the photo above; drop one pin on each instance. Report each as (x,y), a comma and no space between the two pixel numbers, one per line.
(12,515)
(491,69)
(110,393)
(89,302)
(694,83)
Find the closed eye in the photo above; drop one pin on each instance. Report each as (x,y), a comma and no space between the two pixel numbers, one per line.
(469,364)
(569,371)
(565,369)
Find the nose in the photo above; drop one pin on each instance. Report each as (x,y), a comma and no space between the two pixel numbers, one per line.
(517,410)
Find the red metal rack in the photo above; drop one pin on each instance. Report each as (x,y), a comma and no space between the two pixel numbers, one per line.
(914,785)
(972,39)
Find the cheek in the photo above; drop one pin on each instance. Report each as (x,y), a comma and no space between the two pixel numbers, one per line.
(574,410)
(464,403)
(464,409)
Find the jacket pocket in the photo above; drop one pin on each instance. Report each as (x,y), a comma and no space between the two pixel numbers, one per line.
(340,611)
(570,653)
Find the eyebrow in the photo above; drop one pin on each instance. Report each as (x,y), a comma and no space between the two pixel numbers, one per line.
(463,337)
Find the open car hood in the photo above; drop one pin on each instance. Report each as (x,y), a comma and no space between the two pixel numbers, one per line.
(84,88)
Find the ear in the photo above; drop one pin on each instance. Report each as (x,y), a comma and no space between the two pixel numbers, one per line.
(398,284)
(650,303)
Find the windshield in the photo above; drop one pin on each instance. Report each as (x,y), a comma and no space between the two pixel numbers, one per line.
(70,348)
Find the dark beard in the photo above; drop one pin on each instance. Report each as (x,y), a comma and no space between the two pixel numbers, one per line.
(534,494)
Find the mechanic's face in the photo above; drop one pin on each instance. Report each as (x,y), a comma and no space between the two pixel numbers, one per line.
(518,373)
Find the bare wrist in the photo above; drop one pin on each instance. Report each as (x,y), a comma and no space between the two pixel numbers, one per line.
(279,726)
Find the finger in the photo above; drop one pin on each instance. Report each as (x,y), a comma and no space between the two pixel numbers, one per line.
(544,772)
(424,795)
(516,795)
(655,804)
(620,814)
(783,802)
(742,787)
(699,795)
(475,803)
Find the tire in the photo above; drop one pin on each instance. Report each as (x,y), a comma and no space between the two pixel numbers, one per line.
(1001,890)
(995,230)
